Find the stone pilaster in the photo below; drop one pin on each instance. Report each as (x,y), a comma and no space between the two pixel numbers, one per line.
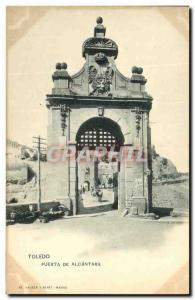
(72,178)
(122,183)
(136,166)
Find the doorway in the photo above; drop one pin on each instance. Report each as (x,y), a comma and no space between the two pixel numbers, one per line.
(97,175)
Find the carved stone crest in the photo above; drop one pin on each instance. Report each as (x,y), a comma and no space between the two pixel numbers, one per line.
(100,43)
(100,82)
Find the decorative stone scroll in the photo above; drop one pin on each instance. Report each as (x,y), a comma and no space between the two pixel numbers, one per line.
(64,110)
(138,120)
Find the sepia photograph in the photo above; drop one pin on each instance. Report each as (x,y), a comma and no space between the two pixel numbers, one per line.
(97,150)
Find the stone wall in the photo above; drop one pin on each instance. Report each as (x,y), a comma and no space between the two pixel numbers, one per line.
(25,207)
(175,195)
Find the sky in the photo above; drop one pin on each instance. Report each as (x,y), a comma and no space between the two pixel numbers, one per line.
(151,37)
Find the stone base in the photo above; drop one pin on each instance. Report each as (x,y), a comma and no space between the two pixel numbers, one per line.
(180,212)
(150,216)
(138,206)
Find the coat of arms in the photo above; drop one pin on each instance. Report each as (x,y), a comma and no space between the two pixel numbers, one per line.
(100,82)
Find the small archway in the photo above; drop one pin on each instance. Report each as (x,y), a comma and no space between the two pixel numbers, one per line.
(87,185)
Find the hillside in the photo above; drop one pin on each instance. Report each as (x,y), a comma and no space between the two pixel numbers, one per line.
(162,168)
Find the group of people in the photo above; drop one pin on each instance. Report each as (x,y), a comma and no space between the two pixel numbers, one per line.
(98,193)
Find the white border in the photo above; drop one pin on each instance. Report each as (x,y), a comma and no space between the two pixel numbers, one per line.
(96,3)
(3,5)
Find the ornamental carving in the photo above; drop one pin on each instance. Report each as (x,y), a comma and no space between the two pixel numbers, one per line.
(64,110)
(100,58)
(100,82)
(100,43)
(138,121)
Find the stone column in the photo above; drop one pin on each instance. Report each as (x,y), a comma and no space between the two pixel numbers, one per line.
(72,179)
(122,182)
(59,168)
(149,166)
(58,175)
(136,196)
(63,177)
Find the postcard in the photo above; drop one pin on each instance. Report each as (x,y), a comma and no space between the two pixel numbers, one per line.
(97,150)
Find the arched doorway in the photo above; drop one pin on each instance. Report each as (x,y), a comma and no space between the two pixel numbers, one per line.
(103,134)
(87,185)
(99,131)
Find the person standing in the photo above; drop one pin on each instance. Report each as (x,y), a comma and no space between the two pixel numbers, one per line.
(99,195)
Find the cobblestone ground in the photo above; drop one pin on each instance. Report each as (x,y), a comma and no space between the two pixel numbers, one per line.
(89,200)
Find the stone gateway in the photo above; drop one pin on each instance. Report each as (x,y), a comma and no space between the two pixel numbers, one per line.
(99,110)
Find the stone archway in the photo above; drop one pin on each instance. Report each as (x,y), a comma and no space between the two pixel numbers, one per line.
(98,134)
(96,93)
